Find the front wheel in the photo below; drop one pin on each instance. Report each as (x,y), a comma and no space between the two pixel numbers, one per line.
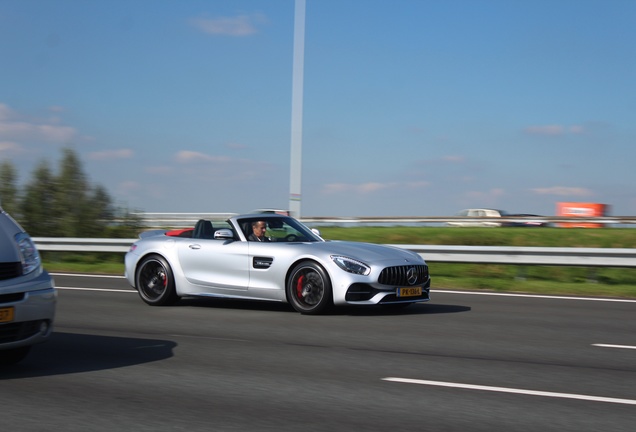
(309,288)
(155,282)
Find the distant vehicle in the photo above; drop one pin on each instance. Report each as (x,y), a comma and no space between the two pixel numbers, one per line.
(27,293)
(478,213)
(307,272)
(528,221)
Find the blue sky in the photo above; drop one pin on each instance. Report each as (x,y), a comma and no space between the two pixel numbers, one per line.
(411,107)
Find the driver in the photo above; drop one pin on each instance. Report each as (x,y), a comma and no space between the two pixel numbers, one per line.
(258,232)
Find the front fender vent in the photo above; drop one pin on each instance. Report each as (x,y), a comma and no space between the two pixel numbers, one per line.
(262,262)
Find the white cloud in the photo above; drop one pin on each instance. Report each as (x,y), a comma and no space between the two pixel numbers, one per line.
(129,186)
(111,154)
(9,147)
(362,188)
(554,130)
(11,128)
(204,167)
(370,187)
(55,133)
(5,112)
(239,26)
(187,156)
(563,191)
(549,130)
(454,159)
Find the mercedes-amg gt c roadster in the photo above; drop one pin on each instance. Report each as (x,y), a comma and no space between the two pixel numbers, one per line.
(290,263)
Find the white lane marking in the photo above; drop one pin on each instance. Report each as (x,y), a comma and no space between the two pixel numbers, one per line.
(88,275)
(614,346)
(435,291)
(552,297)
(95,289)
(513,390)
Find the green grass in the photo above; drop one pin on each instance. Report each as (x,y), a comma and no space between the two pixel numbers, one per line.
(610,282)
(546,237)
(90,262)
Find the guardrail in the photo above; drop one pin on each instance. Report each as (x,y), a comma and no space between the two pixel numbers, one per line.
(157,220)
(69,244)
(443,220)
(578,257)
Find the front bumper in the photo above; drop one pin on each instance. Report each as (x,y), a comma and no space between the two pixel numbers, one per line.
(364,294)
(33,303)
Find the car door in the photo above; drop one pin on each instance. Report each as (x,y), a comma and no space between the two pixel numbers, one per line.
(269,263)
(215,265)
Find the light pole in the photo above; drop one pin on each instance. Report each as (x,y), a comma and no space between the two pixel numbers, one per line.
(297,110)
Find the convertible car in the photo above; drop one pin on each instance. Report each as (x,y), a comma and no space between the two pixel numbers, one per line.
(293,265)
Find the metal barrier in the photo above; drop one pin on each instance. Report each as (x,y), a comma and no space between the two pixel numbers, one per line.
(579,257)
(158,220)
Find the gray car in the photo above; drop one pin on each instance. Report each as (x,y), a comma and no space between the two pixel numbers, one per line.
(27,293)
(295,265)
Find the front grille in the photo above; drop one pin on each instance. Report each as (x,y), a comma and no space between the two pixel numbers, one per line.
(406,275)
(15,332)
(10,270)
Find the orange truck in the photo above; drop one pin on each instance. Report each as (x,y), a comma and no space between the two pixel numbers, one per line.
(581,210)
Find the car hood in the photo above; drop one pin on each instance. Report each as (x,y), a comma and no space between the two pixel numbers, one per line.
(368,252)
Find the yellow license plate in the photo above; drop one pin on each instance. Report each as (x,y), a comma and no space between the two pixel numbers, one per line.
(6,314)
(409,292)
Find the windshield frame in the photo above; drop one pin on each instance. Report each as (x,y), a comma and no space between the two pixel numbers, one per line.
(277,228)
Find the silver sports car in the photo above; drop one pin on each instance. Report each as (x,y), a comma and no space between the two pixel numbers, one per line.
(290,263)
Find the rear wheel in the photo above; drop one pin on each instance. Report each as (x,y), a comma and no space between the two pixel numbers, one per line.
(155,282)
(309,288)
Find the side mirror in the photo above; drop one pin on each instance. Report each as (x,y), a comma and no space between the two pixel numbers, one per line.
(315,231)
(223,234)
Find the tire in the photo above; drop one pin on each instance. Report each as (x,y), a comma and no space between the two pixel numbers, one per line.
(155,282)
(309,288)
(14,355)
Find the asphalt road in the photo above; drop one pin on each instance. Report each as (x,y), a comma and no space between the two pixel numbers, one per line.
(463,362)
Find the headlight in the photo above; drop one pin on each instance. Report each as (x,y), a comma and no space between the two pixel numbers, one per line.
(351,265)
(28,252)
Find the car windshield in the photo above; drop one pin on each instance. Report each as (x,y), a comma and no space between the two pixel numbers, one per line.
(280,229)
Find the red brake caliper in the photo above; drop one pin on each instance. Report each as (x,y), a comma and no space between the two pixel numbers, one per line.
(299,287)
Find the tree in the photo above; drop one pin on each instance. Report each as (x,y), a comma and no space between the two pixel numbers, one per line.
(9,199)
(37,206)
(70,202)
(66,205)
(97,213)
